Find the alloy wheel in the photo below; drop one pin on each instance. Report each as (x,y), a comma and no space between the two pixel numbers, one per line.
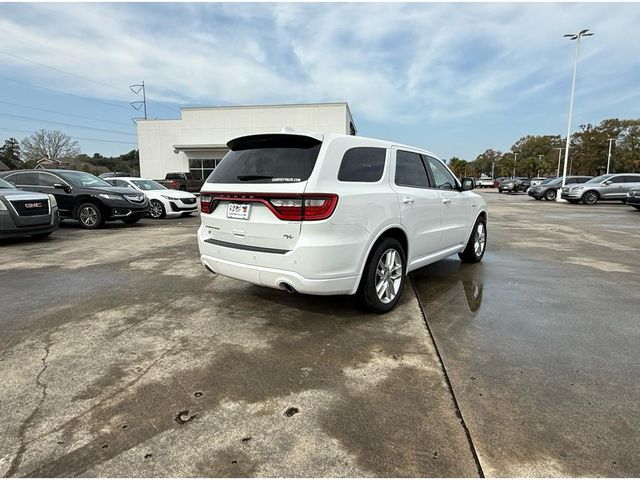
(88,216)
(155,209)
(479,239)
(388,275)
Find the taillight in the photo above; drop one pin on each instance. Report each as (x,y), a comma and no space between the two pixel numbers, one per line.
(291,207)
(206,202)
(174,184)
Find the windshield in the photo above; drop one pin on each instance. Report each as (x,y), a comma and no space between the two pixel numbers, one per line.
(268,159)
(83,179)
(599,179)
(5,184)
(147,185)
(552,181)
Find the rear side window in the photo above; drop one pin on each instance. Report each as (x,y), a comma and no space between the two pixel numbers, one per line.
(268,159)
(26,178)
(632,178)
(362,164)
(410,170)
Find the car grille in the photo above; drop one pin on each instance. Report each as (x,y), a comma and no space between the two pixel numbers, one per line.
(188,201)
(30,208)
(565,190)
(135,198)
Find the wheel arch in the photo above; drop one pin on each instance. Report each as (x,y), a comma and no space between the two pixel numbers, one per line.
(393,231)
(87,199)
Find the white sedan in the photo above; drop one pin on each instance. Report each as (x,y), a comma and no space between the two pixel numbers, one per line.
(163,202)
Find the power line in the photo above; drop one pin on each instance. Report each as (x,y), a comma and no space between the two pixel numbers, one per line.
(73,136)
(59,70)
(20,117)
(61,113)
(66,93)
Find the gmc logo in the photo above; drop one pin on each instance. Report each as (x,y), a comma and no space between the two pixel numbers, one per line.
(33,205)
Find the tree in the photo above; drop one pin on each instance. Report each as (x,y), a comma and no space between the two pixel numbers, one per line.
(485,161)
(10,153)
(52,145)
(458,166)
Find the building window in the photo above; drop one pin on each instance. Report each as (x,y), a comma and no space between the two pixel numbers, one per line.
(202,167)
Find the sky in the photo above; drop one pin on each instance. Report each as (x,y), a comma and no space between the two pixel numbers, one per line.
(452,78)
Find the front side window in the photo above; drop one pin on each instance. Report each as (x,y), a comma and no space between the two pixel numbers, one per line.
(441,176)
(47,180)
(147,185)
(410,170)
(618,179)
(83,179)
(362,164)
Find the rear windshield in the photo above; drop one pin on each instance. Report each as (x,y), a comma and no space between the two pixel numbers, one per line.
(268,159)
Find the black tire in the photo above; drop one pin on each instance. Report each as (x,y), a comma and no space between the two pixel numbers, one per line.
(637,207)
(473,253)
(90,216)
(550,194)
(41,235)
(186,214)
(367,294)
(156,209)
(131,221)
(590,198)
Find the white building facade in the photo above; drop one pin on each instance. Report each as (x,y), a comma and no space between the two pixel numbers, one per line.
(198,140)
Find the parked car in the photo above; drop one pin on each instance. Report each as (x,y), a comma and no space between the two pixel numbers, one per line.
(499,181)
(26,213)
(605,187)
(182,181)
(549,189)
(162,201)
(82,196)
(114,174)
(514,185)
(633,198)
(484,181)
(538,181)
(332,214)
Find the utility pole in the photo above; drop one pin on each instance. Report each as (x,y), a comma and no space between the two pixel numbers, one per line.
(493,167)
(572,36)
(515,159)
(539,163)
(609,156)
(137,88)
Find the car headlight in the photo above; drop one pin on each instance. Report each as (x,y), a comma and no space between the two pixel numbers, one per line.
(3,207)
(577,188)
(111,196)
(52,201)
(170,198)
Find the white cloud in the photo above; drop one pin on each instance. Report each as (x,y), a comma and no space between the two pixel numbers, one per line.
(392,62)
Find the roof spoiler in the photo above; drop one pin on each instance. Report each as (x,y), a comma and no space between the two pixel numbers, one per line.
(288,138)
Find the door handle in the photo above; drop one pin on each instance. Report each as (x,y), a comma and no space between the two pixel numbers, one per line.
(408,200)
(446,200)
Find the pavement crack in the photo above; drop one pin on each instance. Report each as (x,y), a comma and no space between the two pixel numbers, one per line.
(472,447)
(17,459)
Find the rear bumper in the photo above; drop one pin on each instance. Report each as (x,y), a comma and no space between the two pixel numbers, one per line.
(631,200)
(318,265)
(274,278)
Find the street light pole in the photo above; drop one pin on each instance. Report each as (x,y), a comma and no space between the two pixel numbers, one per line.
(572,36)
(609,156)
(515,159)
(559,158)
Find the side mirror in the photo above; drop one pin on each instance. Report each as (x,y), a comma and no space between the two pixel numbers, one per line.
(468,183)
(66,188)
(608,182)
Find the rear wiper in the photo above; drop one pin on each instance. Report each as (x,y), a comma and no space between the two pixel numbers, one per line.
(248,178)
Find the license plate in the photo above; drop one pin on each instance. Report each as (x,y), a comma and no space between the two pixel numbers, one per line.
(238,210)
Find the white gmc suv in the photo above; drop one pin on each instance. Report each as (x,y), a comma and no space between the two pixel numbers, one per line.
(334,214)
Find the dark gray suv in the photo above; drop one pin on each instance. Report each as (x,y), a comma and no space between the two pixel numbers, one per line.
(605,187)
(26,213)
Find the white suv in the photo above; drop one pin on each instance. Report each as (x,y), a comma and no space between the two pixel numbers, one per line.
(334,214)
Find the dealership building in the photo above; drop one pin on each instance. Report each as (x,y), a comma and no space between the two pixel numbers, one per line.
(197,141)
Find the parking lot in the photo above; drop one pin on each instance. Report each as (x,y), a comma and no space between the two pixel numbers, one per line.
(121,356)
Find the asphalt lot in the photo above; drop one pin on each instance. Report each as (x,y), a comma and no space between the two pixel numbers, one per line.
(121,356)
